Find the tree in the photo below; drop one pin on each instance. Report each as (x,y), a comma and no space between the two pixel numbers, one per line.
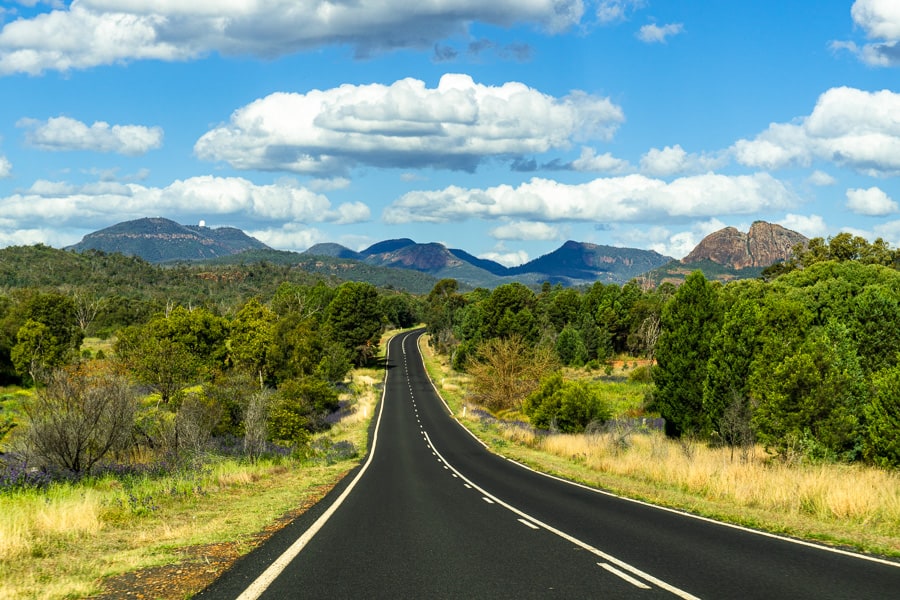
(687,326)
(399,309)
(80,416)
(881,444)
(730,363)
(509,311)
(48,335)
(813,398)
(174,349)
(252,339)
(87,307)
(352,319)
(300,408)
(506,371)
(59,314)
(570,348)
(441,305)
(874,322)
(196,419)
(256,428)
(36,350)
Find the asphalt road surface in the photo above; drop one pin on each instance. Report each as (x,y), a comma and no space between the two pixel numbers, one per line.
(433,514)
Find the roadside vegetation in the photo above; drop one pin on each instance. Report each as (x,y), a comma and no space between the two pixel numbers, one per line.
(62,537)
(772,402)
(184,433)
(846,505)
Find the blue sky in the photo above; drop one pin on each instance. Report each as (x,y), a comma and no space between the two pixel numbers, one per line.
(503,128)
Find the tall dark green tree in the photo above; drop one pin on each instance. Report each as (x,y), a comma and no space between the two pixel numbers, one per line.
(881,443)
(509,312)
(352,319)
(688,324)
(813,400)
(732,352)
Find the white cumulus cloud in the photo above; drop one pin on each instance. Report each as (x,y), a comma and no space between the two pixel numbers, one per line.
(65,133)
(872,202)
(611,11)
(5,167)
(405,125)
(674,160)
(661,239)
(848,127)
(880,20)
(656,34)
(103,32)
(525,230)
(631,198)
(290,236)
(63,204)
(508,259)
(602,163)
(809,225)
(821,178)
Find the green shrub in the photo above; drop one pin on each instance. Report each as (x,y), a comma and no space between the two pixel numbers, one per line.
(569,406)
(641,374)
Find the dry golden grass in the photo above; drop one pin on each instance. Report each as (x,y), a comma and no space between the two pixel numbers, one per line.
(32,521)
(852,505)
(831,492)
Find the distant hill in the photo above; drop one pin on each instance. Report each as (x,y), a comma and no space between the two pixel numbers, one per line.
(159,240)
(729,254)
(333,250)
(580,262)
(572,264)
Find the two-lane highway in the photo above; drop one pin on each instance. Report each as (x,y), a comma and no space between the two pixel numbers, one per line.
(431,513)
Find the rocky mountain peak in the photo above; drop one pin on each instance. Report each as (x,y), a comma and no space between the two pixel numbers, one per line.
(764,245)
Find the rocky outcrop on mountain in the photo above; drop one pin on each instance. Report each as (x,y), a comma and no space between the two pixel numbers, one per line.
(764,245)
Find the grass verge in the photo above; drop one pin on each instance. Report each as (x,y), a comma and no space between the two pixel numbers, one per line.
(72,539)
(849,506)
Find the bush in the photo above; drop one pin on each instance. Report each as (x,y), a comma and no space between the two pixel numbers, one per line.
(641,374)
(570,406)
(82,414)
(300,408)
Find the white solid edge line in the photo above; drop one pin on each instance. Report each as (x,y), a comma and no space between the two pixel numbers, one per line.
(767,534)
(569,538)
(262,583)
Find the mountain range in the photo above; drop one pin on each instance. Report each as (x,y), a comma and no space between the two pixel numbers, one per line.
(726,254)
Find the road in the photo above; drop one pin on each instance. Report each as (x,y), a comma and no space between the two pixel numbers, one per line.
(433,514)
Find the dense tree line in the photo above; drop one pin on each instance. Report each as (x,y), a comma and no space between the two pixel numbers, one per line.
(265,370)
(580,326)
(805,360)
(803,363)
